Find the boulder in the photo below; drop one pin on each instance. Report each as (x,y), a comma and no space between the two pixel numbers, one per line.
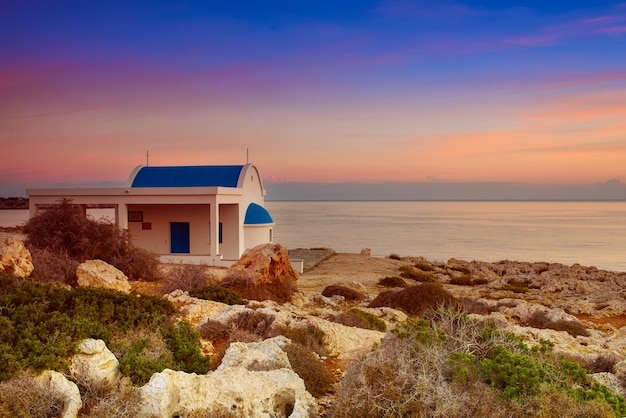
(97,273)
(15,257)
(264,355)
(269,264)
(66,390)
(94,364)
(343,341)
(194,310)
(234,390)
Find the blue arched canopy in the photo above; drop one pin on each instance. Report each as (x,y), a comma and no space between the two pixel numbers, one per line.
(257,215)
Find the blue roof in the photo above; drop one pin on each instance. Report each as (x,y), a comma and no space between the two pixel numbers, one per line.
(257,214)
(188,176)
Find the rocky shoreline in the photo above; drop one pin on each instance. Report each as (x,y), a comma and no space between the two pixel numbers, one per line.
(579,310)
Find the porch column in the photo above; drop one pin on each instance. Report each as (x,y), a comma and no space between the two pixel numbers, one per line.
(121,215)
(214,228)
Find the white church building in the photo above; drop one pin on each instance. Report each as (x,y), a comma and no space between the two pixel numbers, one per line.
(193,214)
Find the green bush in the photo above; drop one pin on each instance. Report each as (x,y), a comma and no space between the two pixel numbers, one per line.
(454,366)
(218,294)
(64,229)
(517,375)
(41,326)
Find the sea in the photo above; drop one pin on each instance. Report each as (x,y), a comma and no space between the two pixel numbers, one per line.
(587,233)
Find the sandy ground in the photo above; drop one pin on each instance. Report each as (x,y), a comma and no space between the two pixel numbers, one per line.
(348,269)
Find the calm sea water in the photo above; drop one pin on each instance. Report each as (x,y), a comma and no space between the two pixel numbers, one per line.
(588,233)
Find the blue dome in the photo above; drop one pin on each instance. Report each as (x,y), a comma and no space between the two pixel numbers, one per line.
(257,215)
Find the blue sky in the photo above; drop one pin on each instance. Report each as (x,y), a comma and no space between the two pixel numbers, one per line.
(374,92)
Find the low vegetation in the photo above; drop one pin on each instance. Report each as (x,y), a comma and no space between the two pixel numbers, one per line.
(248,287)
(415,300)
(452,366)
(360,319)
(42,324)
(217,293)
(392,281)
(348,293)
(412,273)
(64,230)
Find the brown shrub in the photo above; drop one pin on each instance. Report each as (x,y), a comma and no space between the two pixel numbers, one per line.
(214,331)
(410,272)
(247,286)
(415,300)
(317,380)
(541,320)
(350,319)
(462,280)
(254,322)
(184,277)
(53,267)
(308,335)
(23,397)
(124,402)
(64,229)
(347,292)
(392,281)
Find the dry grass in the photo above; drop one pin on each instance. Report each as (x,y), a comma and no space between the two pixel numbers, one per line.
(317,380)
(184,277)
(23,397)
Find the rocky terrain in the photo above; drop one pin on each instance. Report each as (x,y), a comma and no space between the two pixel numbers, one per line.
(579,309)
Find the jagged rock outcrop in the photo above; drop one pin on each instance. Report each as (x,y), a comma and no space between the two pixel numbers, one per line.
(265,264)
(265,355)
(97,273)
(15,257)
(94,364)
(56,383)
(235,390)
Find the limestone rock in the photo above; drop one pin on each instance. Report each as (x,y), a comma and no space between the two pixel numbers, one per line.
(264,355)
(97,273)
(15,257)
(194,310)
(68,391)
(609,380)
(344,341)
(269,263)
(252,394)
(94,364)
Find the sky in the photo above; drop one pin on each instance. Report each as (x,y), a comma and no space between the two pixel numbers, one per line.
(347,99)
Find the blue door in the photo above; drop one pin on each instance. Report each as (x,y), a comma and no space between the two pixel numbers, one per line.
(179,237)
